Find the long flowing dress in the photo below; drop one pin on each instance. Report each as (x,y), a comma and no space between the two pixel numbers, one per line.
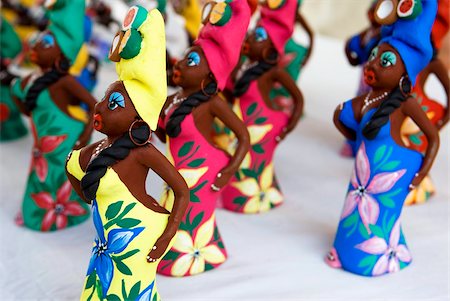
(49,202)
(369,239)
(126,231)
(254,187)
(198,245)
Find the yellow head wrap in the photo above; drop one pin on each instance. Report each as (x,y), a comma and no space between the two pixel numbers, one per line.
(144,75)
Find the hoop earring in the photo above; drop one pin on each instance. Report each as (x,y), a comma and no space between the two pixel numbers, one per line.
(405,85)
(131,136)
(266,57)
(202,85)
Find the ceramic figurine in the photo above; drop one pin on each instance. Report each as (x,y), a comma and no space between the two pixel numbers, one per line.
(369,239)
(254,188)
(357,50)
(295,57)
(11,124)
(133,230)
(51,98)
(438,114)
(187,121)
(192,13)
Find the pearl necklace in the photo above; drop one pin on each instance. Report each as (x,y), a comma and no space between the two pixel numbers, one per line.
(368,102)
(99,148)
(176,100)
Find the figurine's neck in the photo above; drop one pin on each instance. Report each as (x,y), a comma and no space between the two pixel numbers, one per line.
(379,91)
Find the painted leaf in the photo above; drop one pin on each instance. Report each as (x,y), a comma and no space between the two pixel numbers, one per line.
(260,120)
(376,231)
(196,163)
(121,266)
(391,165)
(134,292)
(249,173)
(113,210)
(351,220)
(379,153)
(251,108)
(128,223)
(363,231)
(240,200)
(113,297)
(128,254)
(91,280)
(197,220)
(194,198)
(128,208)
(257,148)
(368,261)
(124,290)
(386,201)
(199,186)
(185,149)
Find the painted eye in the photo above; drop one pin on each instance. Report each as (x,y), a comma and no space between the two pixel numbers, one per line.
(373,54)
(193,59)
(260,34)
(388,59)
(115,100)
(48,41)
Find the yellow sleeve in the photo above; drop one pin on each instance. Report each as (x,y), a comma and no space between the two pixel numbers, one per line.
(73,165)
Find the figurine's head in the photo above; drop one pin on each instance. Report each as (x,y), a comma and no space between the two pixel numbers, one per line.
(140,52)
(258,46)
(277,19)
(193,70)
(411,39)
(385,68)
(221,37)
(45,51)
(115,113)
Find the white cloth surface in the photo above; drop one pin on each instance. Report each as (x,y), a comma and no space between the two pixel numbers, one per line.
(273,256)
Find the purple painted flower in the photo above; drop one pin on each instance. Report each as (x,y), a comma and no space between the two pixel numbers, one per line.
(391,253)
(118,240)
(361,195)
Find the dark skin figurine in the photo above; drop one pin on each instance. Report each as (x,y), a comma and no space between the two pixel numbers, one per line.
(384,79)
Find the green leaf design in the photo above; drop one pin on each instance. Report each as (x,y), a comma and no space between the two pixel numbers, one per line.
(121,266)
(124,290)
(257,148)
(197,220)
(193,197)
(249,173)
(171,256)
(98,288)
(240,200)
(260,120)
(376,230)
(199,186)
(352,230)
(155,297)
(390,166)
(350,220)
(134,292)
(185,149)
(128,254)
(113,210)
(42,120)
(261,167)
(128,223)
(127,209)
(91,280)
(390,223)
(363,231)
(415,139)
(196,163)
(112,297)
(368,261)
(251,108)
(386,201)
(237,174)
(379,154)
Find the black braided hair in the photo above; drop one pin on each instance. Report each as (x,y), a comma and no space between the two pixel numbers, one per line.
(253,73)
(173,127)
(118,151)
(381,115)
(45,81)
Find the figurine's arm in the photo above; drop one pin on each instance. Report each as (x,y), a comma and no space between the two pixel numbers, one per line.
(412,109)
(161,132)
(305,25)
(73,87)
(345,131)
(150,157)
(19,102)
(438,68)
(222,110)
(281,76)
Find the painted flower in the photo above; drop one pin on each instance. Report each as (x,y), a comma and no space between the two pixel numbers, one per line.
(44,145)
(421,193)
(261,195)
(59,210)
(192,175)
(118,240)
(196,251)
(362,192)
(146,294)
(391,253)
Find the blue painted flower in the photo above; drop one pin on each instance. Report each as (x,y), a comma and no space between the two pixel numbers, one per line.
(146,294)
(118,240)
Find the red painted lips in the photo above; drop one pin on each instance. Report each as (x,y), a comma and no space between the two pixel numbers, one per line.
(98,124)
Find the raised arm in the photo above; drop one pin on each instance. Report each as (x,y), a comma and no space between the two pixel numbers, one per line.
(437,67)
(300,19)
(149,156)
(282,77)
(222,110)
(345,131)
(412,109)
(72,86)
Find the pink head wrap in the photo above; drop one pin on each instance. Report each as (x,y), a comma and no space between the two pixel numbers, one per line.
(279,23)
(222,44)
